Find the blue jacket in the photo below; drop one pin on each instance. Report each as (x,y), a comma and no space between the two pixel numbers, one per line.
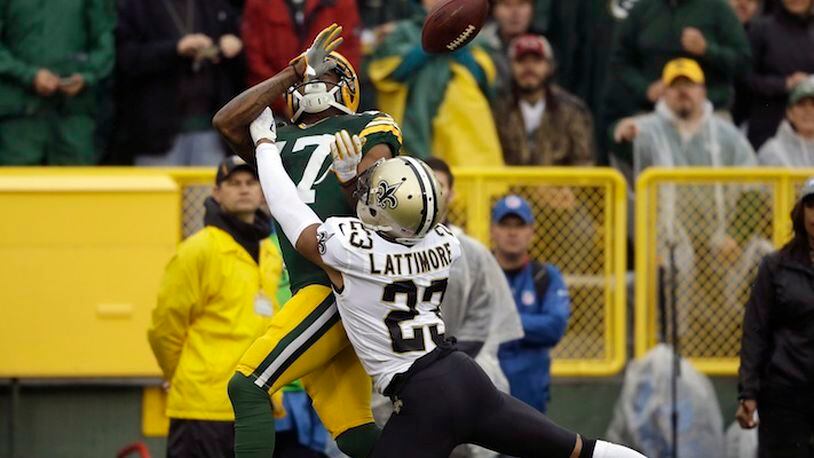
(544,307)
(301,417)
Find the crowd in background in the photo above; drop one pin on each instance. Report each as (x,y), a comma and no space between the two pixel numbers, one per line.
(546,82)
(625,83)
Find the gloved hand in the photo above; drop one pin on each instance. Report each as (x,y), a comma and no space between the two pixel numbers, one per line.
(263,127)
(326,42)
(346,151)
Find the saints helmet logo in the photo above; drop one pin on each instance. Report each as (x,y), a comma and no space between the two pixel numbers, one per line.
(385,194)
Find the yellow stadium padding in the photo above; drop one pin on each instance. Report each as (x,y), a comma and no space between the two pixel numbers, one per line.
(82,257)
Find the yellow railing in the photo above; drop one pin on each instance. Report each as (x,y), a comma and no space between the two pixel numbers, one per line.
(720,223)
(581,227)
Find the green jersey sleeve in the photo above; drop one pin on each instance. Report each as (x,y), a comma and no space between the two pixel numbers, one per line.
(381,128)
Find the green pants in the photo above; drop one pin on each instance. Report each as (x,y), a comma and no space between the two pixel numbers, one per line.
(47,139)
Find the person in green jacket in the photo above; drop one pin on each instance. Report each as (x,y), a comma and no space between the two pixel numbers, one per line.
(657,31)
(52,54)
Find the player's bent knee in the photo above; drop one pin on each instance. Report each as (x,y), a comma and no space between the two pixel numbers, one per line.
(358,442)
(254,421)
(247,398)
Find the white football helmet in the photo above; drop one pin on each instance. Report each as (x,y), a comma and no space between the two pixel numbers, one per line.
(400,198)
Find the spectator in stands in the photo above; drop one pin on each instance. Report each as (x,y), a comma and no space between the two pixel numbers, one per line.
(51,58)
(178,62)
(745,10)
(540,123)
(657,31)
(446,96)
(793,144)
(777,351)
(277,31)
(541,298)
(379,18)
(783,50)
(699,220)
(683,131)
(582,34)
(511,18)
(215,299)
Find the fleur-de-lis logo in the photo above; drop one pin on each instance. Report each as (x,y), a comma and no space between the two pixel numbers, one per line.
(385,194)
(322,241)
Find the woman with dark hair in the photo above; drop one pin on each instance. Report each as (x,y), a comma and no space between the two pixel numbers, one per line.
(777,350)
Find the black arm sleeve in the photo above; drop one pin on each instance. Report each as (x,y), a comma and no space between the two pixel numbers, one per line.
(755,343)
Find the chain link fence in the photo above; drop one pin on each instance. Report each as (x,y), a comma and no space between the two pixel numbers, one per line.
(576,217)
(579,224)
(700,237)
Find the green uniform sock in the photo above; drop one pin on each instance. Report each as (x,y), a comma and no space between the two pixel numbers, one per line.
(254,419)
(358,442)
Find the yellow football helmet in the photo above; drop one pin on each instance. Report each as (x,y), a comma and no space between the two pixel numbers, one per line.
(317,95)
(400,198)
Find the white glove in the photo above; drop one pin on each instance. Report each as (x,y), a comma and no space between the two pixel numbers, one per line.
(346,152)
(263,127)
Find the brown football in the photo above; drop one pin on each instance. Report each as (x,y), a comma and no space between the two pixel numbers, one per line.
(451,24)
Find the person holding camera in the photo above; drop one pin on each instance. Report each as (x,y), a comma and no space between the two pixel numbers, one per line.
(178,61)
(47,80)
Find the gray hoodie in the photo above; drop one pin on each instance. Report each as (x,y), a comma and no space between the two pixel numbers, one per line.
(787,149)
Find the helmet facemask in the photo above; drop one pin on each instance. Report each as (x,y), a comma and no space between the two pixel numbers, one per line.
(318,95)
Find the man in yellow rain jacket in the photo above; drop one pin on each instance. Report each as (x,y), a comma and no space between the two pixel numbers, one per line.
(215,299)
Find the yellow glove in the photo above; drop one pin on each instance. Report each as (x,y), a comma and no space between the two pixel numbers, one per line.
(346,152)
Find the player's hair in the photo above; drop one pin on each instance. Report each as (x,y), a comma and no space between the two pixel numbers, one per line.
(438,165)
(798,245)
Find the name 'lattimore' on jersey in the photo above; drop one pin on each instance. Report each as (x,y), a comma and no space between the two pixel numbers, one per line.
(390,303)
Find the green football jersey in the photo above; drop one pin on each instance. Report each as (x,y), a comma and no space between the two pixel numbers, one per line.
(306,155)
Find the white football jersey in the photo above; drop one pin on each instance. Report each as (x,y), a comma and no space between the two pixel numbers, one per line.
(390,303)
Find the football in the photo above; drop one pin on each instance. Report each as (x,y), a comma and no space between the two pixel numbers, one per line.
(451,24)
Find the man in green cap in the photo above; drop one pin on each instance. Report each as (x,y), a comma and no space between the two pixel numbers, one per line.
(793,144)
(51,57)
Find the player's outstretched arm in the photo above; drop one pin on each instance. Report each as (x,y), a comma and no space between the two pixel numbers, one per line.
(233,120)
(298,221)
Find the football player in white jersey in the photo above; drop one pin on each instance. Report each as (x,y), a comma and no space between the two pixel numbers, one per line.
(389,269)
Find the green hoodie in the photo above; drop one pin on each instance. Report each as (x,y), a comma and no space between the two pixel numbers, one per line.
(651,36)
(65,37)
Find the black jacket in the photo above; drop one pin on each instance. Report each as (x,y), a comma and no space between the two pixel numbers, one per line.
(781,45)
(777,348)
(149,69)
(246,235)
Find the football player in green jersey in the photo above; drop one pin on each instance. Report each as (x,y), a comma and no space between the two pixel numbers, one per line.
(306,339)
